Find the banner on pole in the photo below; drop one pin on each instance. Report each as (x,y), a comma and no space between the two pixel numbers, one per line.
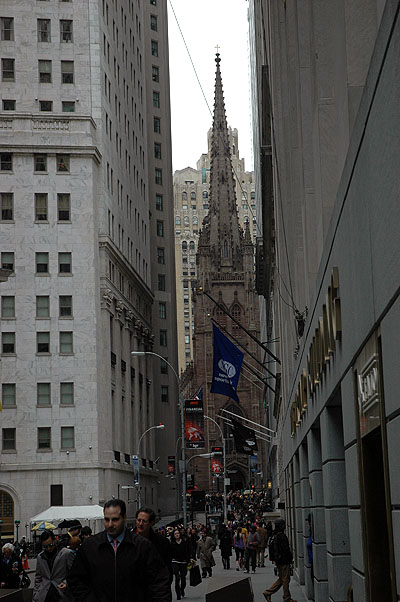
(245,439)
(135,460)
(227,364)
(253,463)
(217,463)
(194,424)
(171,466)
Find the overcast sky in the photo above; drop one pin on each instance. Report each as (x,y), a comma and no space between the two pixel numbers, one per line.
(205,25)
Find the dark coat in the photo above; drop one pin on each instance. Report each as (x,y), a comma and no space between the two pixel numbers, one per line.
(280,549)
(163,547)
(8,575)
(225,544)
(135,574)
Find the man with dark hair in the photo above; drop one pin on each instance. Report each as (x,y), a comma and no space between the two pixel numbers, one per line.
(281,555)
(117,565)
(52,567)
(145,519)
(86,532)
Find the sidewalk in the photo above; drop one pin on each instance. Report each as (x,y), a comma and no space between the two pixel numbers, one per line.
(260,580)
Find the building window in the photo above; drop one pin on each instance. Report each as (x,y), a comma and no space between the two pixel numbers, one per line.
(64,207)
(67,394)
(66,342)
(154,2)
(6,163)
(186,299)
(64,263)
(9,438)
(191,244)
(161,255)
(159,202)
(41,207)
(8,395)
(184,196)
(40,162)
(45,106)
(6,206)
(186,220)
(42,306)
(178,220)
(67,437)
(44,437)
(162,310)
(160,228)
(68,106)
(158,176)
(56,491)
(67,72)
(7,260)
(45,72)
(44,30)
(42,342)
(8,70)
(65,302)
(186,284)
(8,307)
(66,30)
(42,263)
(153,22)
(156,99)
(8,105)
(192,196)
(7,28)
(8,342)
(62,163)
(184,246)
(163,366)
(43,394)
(187,339)
(155,73)
(157,150)
(154,47)
(157,125)
(163,338)
(161,282)
(164,394)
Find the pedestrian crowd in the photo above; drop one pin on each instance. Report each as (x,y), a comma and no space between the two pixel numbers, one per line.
(109,566)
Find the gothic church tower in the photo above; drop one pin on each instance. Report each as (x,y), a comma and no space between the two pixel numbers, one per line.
(225,270)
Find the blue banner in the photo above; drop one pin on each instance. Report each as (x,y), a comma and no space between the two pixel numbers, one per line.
(226,366)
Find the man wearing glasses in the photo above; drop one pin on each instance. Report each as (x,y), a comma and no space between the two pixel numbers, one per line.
(52,567)
(117,565)
(145,519)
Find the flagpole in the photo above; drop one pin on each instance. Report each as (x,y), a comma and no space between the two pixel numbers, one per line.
(251,422)
(224,451)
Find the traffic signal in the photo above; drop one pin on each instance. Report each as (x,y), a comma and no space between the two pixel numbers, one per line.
(198,501)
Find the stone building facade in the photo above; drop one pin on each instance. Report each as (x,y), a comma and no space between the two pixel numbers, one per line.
(191,204)
(225,270)
(85,168)
(327,99)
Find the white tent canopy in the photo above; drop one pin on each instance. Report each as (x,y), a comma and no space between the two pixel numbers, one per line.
(59,513)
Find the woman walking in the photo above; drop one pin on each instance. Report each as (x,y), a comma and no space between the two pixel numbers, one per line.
(225,545)
(239,543)
(180,559)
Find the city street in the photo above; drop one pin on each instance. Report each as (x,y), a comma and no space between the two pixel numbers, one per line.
(260,580)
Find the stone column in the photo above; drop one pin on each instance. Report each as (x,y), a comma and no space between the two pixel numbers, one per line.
(316,588)
(304,503)
(335,498)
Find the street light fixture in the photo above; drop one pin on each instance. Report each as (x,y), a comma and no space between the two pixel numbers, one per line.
(182,409)
(157,426)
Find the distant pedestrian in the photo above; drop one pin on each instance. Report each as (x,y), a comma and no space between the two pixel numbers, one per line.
(180,559)
(262,545)
(252,543)
(281,555)
(10,567)
(225,545)
(239,543)
(205,548)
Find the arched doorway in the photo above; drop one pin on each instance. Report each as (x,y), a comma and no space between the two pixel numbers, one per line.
(6,515)
(237,477)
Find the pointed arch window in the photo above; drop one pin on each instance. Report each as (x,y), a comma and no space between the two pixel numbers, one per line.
(195,220)
(184,246)
(186,220)
(205,194)
(178,220)
(193,196)
(191,243)
(225,249)
(184,196)
(236,313)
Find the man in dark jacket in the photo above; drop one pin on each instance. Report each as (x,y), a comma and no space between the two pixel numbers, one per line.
(280,554)
(118,566)
(145,519)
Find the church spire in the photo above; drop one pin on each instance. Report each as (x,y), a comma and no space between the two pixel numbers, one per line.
(225,237)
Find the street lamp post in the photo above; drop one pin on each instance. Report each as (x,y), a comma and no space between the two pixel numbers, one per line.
(182,410)
(157,426)
(224,452)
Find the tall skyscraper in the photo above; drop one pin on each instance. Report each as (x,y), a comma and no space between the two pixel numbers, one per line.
(85,167)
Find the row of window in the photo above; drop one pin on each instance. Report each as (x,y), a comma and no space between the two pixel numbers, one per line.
(67,106)
(42,306)
(43,30)
(39,162)
(186,220)
(41,262)
(43,394)
(45,71)
(66,340)
(193,195)
(185,245)
(41,207)
(67,438)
